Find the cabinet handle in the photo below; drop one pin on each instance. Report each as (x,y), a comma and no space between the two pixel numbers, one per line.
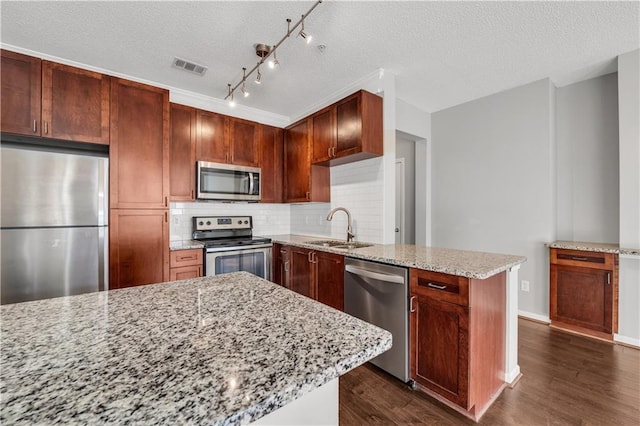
(579,258)
(166,201)
(166,217)
(35,126)
(608,277)
(46,127)
(192,197)
(411,308)
(333,151)
(436,286)
(329,152)
(309,257)
(286,266)
(308,195)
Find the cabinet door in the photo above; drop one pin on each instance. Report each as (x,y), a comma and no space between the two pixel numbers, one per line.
(324,135)
(301,277)
(349,126)
(271,164)
(182,153)
(439,358)
(75,104)
(244,137)
(330,279)
(296,163)
(21,93)
(280,265)
(185,273)
(582,296)
(138,247)
(139,152)
(212,137)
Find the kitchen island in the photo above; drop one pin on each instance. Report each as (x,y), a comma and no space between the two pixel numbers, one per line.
(219,350)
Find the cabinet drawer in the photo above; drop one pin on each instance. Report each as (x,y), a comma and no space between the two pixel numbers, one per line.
(439,286)
(185,273)
(192,257)
(585,259)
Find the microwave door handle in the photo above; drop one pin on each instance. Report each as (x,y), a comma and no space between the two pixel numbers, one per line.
(250,183)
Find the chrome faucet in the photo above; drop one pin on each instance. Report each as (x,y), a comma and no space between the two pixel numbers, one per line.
(350,234)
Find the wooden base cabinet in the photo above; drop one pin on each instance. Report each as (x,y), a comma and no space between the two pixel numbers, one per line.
(584,292)
(185,264)
(315,274)
(138,247)
(457,338)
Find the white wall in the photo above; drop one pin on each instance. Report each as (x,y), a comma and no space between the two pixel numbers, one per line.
(493,180)
(587,160)
(629,129)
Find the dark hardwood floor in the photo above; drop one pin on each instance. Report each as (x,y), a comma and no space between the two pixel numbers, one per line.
(567,380)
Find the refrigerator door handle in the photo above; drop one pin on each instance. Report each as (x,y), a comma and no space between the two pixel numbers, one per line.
(103,192)
(103,258)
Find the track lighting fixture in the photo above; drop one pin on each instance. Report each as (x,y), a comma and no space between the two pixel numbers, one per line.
(265,51)
(303,34)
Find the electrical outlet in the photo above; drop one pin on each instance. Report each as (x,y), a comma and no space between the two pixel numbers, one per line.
(524,286)
(175,220)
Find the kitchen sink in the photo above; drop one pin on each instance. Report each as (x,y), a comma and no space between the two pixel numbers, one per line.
(338,244)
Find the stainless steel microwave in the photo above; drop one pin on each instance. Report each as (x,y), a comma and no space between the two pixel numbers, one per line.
(218,181)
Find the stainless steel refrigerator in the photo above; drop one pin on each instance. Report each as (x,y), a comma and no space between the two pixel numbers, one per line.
(54,223)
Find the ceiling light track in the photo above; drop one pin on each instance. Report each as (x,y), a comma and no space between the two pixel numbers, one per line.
(265,52)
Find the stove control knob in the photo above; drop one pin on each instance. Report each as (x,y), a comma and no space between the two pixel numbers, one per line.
(246,222)
(208,222)
(239,222)
(201,223)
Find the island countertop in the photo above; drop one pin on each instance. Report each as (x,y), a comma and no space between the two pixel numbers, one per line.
(464,263)
(218,350)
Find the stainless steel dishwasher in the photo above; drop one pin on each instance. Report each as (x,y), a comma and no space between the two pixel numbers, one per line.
(378,294)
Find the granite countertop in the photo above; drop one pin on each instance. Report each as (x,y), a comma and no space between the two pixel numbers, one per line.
(221,350)
(185,245)
(470,264)
(595,247)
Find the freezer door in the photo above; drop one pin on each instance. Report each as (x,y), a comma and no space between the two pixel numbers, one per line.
(44,188)
(52,262)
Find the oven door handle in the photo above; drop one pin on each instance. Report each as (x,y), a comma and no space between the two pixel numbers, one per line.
(238,248)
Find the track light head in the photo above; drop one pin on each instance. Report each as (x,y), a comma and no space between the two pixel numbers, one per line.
(231,101)
(305,36)
(274,62)
(258,79)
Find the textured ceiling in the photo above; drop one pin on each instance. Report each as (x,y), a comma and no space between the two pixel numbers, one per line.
(443,53)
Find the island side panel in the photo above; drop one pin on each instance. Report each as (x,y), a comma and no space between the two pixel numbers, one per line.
(512,368)
(488,311)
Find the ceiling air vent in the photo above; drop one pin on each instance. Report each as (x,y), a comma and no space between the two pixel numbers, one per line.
(192,67)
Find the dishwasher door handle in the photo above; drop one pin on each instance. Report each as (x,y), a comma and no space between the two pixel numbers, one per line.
(397,279)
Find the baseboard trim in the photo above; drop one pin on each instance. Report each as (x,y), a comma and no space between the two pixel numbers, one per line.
(627,341)
(534,317)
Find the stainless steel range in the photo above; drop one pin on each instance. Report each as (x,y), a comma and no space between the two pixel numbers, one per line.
(230,245)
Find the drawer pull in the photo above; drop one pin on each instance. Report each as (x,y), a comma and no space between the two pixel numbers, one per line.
(436,286)
(579,258)
(187,258)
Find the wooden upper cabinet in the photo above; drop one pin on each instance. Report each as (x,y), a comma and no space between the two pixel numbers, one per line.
(138,247)
(303,182)
(212,137)
(21,94)
(324,134)
(182,153)
(271,148)
(244,142)
(349,130)
(75,104)
(139,152)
